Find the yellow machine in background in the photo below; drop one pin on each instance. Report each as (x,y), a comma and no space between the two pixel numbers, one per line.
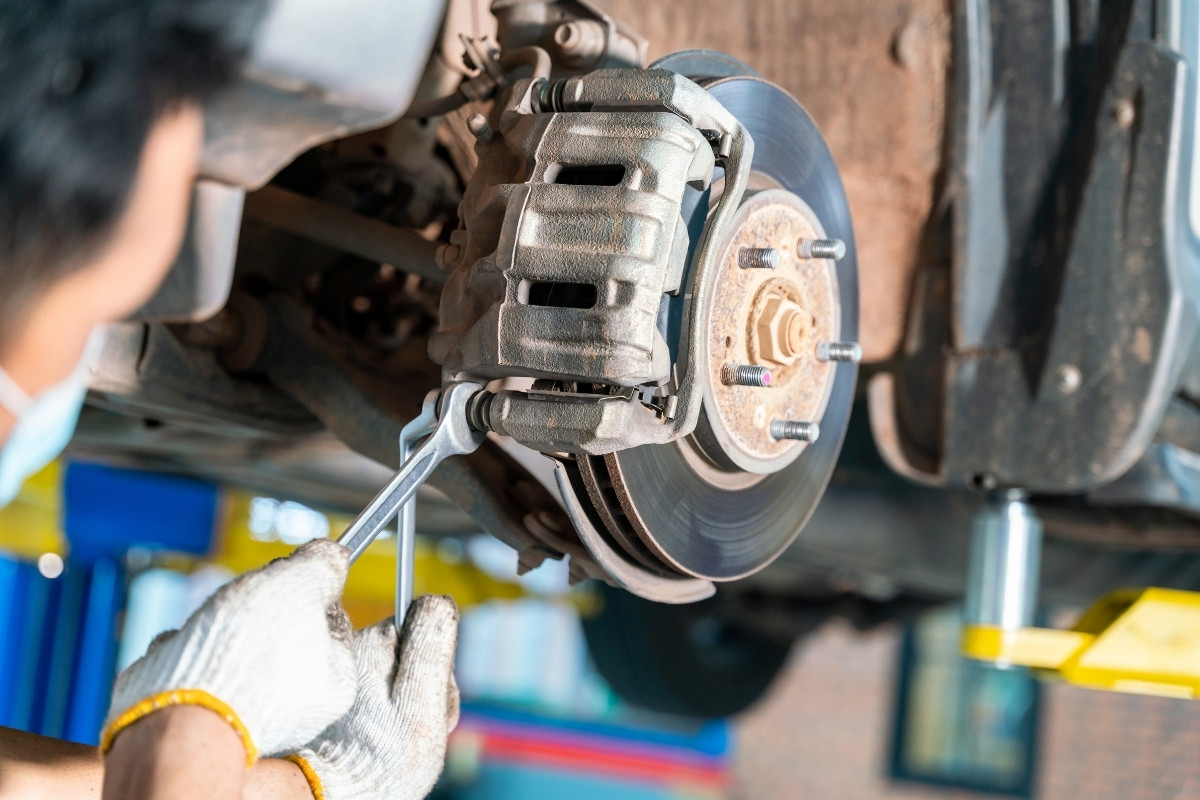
(1143,641)
(31,530)
(30,525)
(371,587)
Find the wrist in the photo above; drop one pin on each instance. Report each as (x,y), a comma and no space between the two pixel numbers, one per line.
(172,748)
(304,767)
(167,730)
(173,700)
(279,779)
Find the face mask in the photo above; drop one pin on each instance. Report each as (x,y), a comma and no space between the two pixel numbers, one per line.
(44,423)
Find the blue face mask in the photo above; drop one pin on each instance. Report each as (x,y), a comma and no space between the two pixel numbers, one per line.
(44,423)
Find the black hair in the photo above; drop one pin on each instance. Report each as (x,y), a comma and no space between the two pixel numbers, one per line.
(82,83)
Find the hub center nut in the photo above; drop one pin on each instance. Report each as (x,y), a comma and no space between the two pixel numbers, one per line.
(783,331)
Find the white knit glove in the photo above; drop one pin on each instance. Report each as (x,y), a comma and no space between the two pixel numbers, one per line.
(271,652)
(392,743)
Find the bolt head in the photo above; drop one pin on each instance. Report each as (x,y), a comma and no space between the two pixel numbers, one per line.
(567,35)
(984,481)
(479,127)
(1124,112)
(1067,379)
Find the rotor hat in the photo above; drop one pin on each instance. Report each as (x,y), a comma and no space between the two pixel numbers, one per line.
(717,523)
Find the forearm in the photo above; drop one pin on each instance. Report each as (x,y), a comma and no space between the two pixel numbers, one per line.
(36,767)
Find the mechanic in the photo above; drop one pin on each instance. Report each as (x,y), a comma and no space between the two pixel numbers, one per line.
(265,691)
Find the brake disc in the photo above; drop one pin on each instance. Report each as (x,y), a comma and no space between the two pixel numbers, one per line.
(725,501)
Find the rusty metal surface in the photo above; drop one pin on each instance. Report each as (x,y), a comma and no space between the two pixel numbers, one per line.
(873,74)
(345,230)
(747,301)
(318,71)
(725,524)
(1067,312)
(621,239)
(577,34)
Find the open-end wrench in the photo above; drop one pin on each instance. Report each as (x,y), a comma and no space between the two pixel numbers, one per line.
(406,535)
(451,436)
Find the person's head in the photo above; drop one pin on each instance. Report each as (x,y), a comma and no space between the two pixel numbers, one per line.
(100,136)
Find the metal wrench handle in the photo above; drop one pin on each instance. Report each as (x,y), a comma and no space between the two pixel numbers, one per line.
(451,437)
(406,535)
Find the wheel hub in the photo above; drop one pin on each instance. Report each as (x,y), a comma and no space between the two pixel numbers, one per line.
(771,318)
(688,508)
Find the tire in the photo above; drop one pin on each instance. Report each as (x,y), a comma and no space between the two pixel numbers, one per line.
(683,660)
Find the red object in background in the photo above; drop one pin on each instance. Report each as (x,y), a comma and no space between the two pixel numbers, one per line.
(604,751)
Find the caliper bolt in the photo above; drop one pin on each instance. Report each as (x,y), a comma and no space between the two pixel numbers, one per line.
(581,42)
(821,248)
(758,258)
(478,125)
(839,351)
(745,375)
(795,430)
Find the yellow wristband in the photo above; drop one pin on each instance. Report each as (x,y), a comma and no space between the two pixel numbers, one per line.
(179,697)
(310,775)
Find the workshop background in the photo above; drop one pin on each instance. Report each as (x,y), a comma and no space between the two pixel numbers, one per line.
(94,561)
(92,565)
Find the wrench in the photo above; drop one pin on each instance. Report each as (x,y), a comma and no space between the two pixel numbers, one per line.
(420,428)
(451,436)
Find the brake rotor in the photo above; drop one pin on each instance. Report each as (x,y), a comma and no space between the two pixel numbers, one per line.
(698,506)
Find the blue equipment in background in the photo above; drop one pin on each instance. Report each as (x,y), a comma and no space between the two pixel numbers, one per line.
(58,635)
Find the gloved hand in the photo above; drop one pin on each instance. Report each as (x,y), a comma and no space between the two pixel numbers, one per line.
(271,652)
(392,743)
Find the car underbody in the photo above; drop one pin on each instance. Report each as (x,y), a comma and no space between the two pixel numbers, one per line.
(620,235)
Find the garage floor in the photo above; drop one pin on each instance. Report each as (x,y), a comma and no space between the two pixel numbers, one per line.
(825,732)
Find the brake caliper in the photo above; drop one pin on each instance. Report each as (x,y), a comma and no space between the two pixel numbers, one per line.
(570,245)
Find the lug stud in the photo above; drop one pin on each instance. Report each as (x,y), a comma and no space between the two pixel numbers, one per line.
(758,258)
(795,430)
(839,351)
(821,248)
(745,375)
